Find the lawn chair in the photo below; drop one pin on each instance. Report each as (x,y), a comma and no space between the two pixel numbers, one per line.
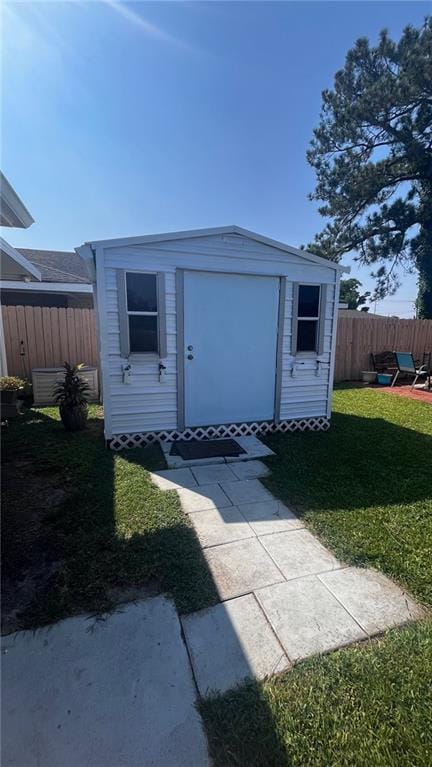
(406,365)
(383,362)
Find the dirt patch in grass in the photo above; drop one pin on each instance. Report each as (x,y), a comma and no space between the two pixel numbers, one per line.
(31,495)
(84,528)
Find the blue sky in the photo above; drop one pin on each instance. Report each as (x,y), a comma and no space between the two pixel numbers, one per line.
(131,118)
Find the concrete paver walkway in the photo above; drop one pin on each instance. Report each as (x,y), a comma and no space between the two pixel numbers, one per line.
(114,692)
(252,446)
(283,595)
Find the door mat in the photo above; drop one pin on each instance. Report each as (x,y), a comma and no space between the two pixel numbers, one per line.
(194,449)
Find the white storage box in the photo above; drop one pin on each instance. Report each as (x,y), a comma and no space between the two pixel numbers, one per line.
(45,379)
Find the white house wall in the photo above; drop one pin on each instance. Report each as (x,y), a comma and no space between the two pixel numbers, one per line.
(145,404)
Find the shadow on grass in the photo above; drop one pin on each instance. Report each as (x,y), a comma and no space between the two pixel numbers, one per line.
(360,462)
(101,528)
(241,729)
(112,535)
(115,530)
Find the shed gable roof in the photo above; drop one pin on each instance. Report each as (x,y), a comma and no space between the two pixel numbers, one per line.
(217,231)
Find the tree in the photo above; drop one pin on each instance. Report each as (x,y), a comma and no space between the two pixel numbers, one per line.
(372,153)
(350,293)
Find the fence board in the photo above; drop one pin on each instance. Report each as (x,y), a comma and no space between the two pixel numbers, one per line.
(48,337)
(357,337)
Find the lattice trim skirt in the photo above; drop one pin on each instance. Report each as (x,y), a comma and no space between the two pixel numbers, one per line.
(121,441)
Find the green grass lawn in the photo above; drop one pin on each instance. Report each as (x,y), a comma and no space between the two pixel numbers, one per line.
(365,487)
(365,706)
(86,527)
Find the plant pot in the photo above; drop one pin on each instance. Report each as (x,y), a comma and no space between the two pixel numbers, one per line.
(74,418)
(8,396)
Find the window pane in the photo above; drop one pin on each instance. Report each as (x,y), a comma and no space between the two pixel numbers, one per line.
(308,304)
(143,333)
(306,335)
(141,292)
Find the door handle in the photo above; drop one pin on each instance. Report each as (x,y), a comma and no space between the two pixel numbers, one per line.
(190,356)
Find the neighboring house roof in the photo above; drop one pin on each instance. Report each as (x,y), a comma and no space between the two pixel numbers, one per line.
(14,265)
(58,265)
(221,230)
(358,314)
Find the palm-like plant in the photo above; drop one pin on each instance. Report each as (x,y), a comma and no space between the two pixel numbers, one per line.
(71,394)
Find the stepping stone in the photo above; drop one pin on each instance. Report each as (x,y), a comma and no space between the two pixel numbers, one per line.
(250,470)
(216,526)
(307,619)
(270,517)
(372,599)
(299,553)
(241,567)
(231,642)
(246,491)
(177,462)
(173,479)
(205,475)
(203,497)
(115,692)
(254,449)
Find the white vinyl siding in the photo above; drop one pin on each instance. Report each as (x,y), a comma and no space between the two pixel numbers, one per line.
(146,404)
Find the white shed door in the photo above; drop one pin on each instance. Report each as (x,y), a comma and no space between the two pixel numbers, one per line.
(230,338)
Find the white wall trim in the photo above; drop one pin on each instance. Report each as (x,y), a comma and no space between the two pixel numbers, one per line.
(333,345)
(103,340)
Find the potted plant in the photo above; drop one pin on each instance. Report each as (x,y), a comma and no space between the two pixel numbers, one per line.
(71,395)
(9,388)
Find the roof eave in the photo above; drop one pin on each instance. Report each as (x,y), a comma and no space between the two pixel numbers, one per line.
(13,212)
(233,229)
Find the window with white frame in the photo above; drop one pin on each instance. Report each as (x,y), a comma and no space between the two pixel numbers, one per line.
(308,317)
(141,297)
(142,311)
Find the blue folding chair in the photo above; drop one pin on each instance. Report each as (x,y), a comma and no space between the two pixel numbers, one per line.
(406,365)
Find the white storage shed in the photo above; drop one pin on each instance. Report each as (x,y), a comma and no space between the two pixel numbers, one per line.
(212,333)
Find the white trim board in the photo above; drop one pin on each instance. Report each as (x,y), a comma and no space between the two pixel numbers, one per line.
(13,210)
(46,287)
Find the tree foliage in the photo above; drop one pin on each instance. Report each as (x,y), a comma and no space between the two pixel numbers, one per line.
(372,153)
(350,293)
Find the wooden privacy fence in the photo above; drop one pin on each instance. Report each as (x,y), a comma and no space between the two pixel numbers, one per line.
(358,337)
(44,337)
(38,337)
